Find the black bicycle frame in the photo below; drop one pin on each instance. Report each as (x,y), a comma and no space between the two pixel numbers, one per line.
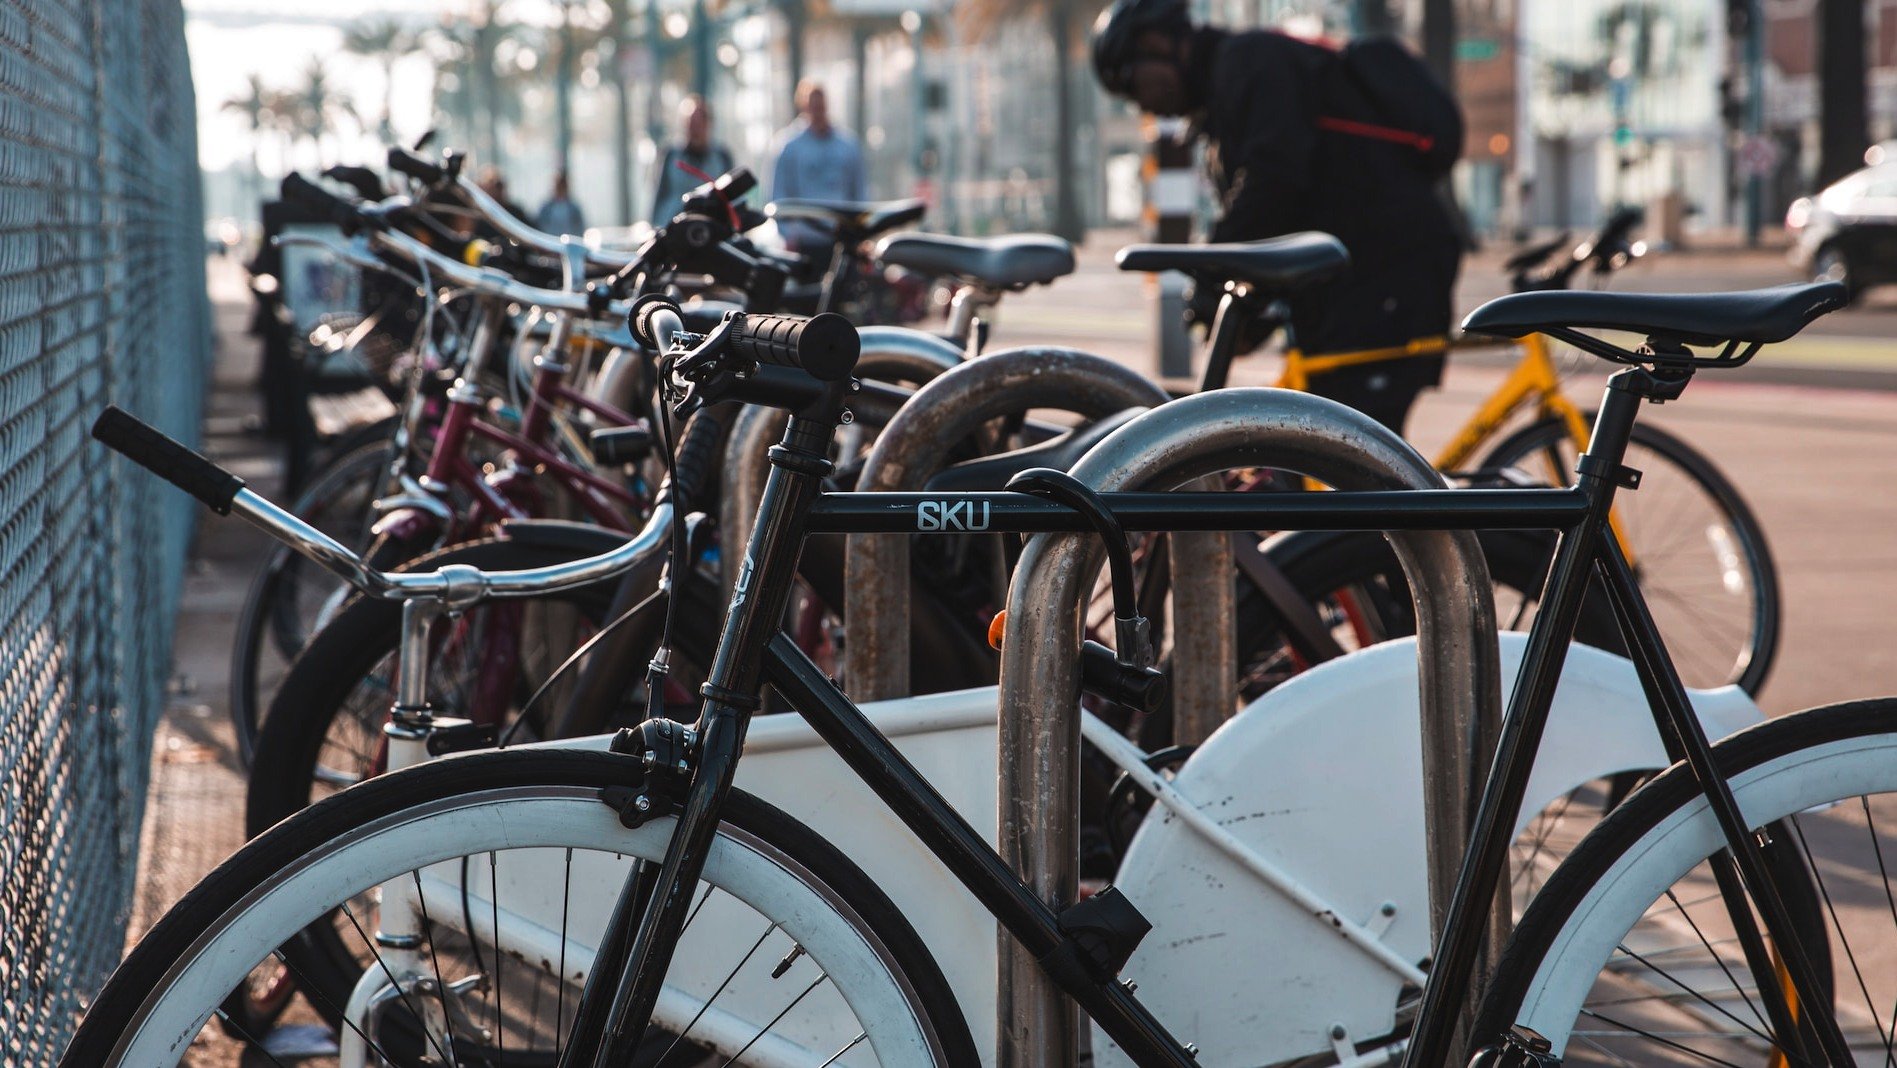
(751,651)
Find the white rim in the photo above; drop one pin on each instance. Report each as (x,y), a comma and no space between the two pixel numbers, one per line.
(1781,787)
(863,980)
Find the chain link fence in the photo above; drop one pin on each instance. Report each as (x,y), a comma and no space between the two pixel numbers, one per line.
(101,299)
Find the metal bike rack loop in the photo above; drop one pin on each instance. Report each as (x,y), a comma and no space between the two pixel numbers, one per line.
(915,446)
(1162,449)
(890,354)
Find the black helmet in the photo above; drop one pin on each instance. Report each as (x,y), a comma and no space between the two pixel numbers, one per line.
(1119,27)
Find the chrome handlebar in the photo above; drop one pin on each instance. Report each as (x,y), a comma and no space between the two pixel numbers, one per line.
(521,233)
(361,251)
(456,585)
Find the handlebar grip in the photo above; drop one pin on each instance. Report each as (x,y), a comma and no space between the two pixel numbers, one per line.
(697,454)
(306,194)
(405,162)
(824,346)
(639,319)
(149,448)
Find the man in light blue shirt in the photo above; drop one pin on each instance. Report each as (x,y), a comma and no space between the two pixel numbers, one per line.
(816,161)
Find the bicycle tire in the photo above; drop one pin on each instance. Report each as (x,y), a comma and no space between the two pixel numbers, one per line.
(269,617)
(1784,773)
(1752,655)
(495,802)
(299,737)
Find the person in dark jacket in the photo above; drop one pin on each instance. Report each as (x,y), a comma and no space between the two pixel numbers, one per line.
(700,155)
(1256,98)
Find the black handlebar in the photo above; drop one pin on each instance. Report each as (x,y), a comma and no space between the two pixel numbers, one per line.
(403,161)
(823,346)
(148,447)
(313,198)
(639,320)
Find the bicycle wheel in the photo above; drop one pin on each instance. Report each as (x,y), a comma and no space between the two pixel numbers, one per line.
(324,731)
(1628,955)
(1698,551)
(290,597)
(499,870)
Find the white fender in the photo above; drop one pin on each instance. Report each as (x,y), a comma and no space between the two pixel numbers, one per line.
(1323,777)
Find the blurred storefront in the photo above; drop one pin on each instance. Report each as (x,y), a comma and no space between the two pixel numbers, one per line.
(1622,104)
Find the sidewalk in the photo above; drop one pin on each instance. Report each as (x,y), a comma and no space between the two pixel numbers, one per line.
(194,814)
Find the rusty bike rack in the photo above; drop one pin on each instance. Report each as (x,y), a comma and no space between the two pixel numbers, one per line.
(1458,661)
(915,446)
(890,354)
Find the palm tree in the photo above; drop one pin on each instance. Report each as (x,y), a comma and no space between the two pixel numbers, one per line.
(317,108)
(383,40)
(258,108)
(468,83)
(619,27)
(576,39)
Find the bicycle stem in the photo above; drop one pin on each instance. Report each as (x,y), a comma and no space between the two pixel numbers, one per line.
(731,696)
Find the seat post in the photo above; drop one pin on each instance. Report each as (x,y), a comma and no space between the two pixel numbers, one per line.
(970,301)
(1223,345)
(1600,464)
(1234,307)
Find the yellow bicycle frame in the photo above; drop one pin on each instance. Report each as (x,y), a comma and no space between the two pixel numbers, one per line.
(1535,379)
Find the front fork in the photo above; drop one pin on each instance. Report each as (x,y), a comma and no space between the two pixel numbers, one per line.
(623,990)
(400,970)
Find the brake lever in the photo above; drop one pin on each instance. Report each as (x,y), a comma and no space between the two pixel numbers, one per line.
(694,371)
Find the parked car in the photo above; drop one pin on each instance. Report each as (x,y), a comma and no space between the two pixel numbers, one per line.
(1848,232)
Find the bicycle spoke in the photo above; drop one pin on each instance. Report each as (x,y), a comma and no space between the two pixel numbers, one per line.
(818,981)
(559,1012)
(706,1007)
(384,965)
(441,986)
(1824,895)
(341,1011)
(1717,959)
(251,1041)
(1707,622)
(1549,821)
(1697,996)
(1603,1049)
(1690,1051)
(852,1044)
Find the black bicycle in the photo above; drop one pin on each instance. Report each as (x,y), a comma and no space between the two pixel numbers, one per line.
(1736,839)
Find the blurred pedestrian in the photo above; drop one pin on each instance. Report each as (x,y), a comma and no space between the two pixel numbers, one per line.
(1305,136)
(696,152)
(559,215)
(816,160)
(494,184)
